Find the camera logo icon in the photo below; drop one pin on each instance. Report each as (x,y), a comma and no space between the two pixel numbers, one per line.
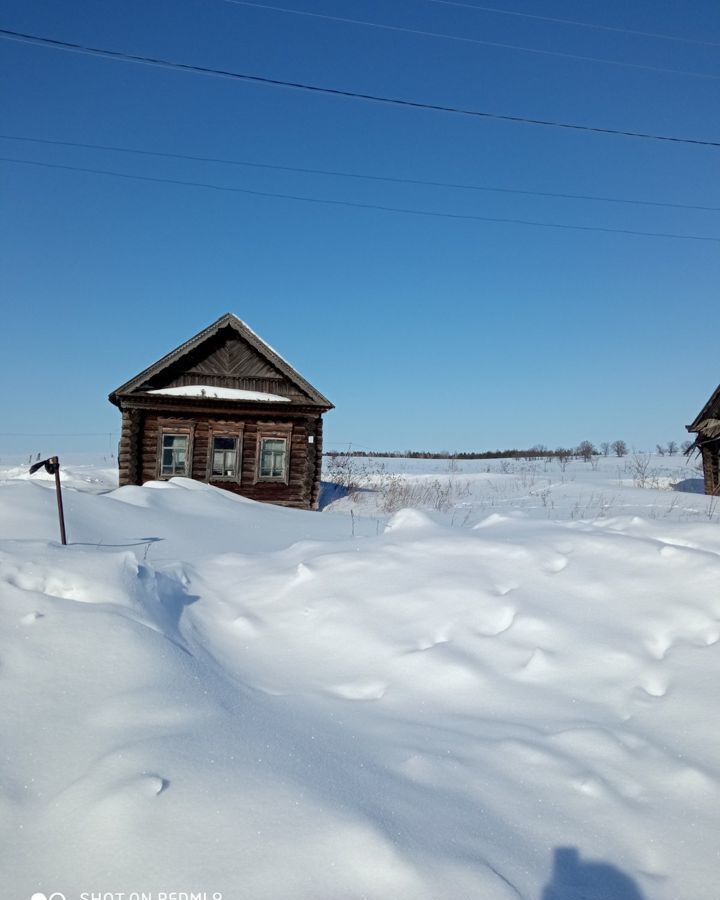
(56,895)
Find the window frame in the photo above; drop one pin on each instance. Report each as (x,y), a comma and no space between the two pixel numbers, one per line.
(273,432)
(236,432)
(167,429)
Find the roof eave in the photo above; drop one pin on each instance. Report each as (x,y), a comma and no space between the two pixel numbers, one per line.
(147,400)
(703,414)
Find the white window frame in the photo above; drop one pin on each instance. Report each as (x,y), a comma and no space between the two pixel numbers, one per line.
(236,433)
(273,433)
(171,430)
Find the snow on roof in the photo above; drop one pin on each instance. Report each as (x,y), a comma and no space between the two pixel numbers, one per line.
(219,393)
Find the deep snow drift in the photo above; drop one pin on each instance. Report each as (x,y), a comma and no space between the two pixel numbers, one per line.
(202,693)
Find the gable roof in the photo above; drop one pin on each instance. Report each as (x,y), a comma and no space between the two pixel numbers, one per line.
(243,331)
(706,412)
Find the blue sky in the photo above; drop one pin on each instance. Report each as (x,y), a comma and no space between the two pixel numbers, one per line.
(425,332)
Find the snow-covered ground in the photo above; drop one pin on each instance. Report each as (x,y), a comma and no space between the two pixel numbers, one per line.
(510,693)
(463,492)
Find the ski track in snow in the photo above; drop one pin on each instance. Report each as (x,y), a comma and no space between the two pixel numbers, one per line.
(204,693)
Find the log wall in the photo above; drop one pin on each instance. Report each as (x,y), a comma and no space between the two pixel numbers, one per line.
(710,468)
(138,456)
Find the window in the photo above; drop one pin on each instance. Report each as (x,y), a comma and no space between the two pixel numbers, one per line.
(225,451)
(174,448)
(175,456)
(273,458)
(272,454)
(224,457)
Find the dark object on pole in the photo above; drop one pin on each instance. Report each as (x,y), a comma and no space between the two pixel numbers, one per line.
(52,467)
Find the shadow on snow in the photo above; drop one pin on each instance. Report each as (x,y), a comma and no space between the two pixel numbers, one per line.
(573,879)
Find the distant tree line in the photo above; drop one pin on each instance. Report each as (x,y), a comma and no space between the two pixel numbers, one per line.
(584,450)
(537,452)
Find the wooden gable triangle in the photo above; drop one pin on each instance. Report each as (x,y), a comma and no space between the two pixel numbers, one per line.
(227,348)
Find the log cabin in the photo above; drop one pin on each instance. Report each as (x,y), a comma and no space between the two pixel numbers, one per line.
(226,409)
(706,427)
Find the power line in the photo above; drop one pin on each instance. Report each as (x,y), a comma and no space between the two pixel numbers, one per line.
(338,92)
(58,433)
(576,23)
(471,40)
(371,206)
(335,173)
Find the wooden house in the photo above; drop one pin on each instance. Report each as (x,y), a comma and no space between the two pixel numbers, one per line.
(226,409)
(707,428)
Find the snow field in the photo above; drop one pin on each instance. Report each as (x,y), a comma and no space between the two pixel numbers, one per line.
(462,492)
(204,693)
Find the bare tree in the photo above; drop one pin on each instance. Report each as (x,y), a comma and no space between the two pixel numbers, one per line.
(639,467)
(342,470)
(619,448)
(671,448)
(660,449)
(586,450)
(687,446)
(605,448)
(563,457)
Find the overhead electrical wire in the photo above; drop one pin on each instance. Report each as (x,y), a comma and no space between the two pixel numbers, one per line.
(369,206)
(472,40)
(576,23)
(362,176)
(58,433)
(338,92)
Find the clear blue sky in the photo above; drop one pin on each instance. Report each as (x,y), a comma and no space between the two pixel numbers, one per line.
(425,332)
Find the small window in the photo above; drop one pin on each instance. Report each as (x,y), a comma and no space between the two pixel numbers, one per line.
(273,456)
(174,454)
(224,457)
